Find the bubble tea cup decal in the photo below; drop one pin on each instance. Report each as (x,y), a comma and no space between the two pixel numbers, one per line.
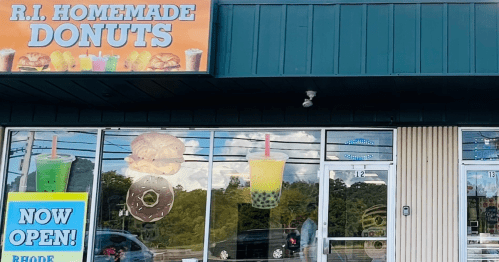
(266,173)
(52,170)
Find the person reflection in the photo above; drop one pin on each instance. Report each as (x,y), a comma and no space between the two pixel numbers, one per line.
(308,240)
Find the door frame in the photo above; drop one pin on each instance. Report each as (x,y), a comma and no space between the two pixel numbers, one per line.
(323,238)
(463,214)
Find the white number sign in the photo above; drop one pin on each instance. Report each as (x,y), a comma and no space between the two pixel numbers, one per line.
(492,173)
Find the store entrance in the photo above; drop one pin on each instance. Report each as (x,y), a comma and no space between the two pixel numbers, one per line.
(481,200)
(358,213)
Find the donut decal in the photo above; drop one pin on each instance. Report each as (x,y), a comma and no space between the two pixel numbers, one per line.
(147,211)
(154,156)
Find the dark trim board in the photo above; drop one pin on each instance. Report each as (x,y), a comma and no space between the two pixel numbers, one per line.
(407,114)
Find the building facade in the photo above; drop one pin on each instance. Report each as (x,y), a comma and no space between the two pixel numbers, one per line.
(396,160)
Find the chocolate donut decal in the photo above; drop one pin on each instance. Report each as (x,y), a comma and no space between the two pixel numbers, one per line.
(143,211)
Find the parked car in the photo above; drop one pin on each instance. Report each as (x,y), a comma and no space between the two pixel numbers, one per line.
(258,243)
(132,249)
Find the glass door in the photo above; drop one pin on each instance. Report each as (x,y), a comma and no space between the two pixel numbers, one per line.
(480,199)
(358,215)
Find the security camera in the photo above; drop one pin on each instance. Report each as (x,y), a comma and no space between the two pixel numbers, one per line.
(308,101)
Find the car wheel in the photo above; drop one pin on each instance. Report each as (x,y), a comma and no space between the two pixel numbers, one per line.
(224,254)
(277,253)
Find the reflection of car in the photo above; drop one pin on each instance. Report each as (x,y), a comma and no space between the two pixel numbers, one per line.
(258,243)
(133,249)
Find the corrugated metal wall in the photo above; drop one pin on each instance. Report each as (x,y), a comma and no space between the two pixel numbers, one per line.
(427,181)
(357,39)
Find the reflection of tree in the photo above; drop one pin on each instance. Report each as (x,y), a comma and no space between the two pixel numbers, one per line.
(348,204)
(113,193)
(183,226)
(227,214)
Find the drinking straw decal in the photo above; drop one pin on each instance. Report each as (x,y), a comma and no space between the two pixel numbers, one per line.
(267,145)
(54,147)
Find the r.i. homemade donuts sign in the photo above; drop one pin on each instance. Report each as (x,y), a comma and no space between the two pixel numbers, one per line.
(105,36)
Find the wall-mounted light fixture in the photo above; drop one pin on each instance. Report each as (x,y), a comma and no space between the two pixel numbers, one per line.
(308,101)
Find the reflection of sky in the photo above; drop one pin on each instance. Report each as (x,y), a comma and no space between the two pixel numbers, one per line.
(194,171)
(482,184)
(378,145)
(348,176)
(476,148)
(231,148)
(77,143)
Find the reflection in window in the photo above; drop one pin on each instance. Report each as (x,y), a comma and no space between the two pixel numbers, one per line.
(482,215)
(357,205)
(357,251)
(51,161)
(359,145)
(153,194)
(260,203)
(481,145)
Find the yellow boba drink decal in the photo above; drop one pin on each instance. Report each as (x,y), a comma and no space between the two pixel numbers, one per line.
(266,172)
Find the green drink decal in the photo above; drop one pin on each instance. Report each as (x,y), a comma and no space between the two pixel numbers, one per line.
(111,63)
(52,170)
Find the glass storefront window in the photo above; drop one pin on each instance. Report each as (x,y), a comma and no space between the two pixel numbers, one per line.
(154,184)
(44,170)
(152,195)
(265,207)
(357,251)
(360,145)
(357,205)
(482,220)
(480,145)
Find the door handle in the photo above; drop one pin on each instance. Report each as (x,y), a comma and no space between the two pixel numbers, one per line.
(325,248)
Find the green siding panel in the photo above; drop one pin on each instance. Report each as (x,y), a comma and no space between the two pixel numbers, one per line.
(377,40)
(323,40)
(295,54)
(222,44)
(243,19)
(432,52)
(404,38)
(458,42)
(350,39)
(486,38)
(269,40)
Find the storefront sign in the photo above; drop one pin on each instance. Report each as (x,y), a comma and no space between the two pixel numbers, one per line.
(104,36)
(44,227)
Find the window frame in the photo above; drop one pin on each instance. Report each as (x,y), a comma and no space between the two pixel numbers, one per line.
(95,196)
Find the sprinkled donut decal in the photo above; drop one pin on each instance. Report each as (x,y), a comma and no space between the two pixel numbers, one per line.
(155,156)
(150,212)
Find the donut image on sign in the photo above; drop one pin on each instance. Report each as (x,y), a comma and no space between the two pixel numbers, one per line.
(155,153)
(150,198)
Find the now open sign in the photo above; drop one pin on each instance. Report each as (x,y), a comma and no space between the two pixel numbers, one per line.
(43,227)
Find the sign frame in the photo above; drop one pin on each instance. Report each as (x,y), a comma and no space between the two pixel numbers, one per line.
(210,65)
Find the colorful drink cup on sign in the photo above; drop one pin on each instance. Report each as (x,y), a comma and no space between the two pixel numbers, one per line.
(86,62)
(52,173)
(266,172)
(99,63)
(111,63)
(6,59)
(193,59)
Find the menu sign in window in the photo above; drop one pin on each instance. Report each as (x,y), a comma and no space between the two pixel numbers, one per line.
(104,36)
